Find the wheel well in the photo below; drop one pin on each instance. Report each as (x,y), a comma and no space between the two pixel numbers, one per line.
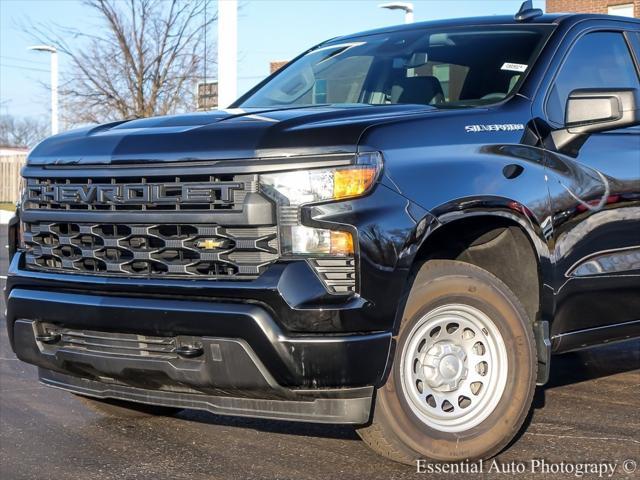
(495,244)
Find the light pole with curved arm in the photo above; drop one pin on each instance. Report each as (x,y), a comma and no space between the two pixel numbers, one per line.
(54,83)
(405,6)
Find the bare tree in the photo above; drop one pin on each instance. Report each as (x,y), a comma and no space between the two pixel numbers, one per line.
(145,61)
(22,132)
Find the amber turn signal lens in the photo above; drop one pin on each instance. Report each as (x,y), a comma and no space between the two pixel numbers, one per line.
(351,182)
(341,243)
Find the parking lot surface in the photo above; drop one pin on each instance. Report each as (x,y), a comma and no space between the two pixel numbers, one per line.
(588,413)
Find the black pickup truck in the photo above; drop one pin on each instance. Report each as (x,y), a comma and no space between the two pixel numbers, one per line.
(395,231)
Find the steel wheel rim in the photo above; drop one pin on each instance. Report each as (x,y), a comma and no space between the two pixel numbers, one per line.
(453,378)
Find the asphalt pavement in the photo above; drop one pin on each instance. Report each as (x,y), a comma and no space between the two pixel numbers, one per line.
(588,414)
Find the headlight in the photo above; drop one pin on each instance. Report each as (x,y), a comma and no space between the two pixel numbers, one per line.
(293,189)
(307,186)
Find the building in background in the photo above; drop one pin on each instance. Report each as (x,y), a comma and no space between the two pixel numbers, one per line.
(207,95)
(275,66)
(625,8)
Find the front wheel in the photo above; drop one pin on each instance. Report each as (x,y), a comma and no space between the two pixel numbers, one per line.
(463,374)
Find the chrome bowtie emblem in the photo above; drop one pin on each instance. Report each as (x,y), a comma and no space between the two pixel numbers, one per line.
(211,243)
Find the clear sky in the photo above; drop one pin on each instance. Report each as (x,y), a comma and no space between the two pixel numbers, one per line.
(268,30)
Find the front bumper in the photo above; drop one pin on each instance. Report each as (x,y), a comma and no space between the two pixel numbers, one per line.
(301,361)
(251,367)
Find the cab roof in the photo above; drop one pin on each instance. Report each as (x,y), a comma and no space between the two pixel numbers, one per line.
(545,19)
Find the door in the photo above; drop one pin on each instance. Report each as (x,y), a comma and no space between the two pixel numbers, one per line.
(595,197)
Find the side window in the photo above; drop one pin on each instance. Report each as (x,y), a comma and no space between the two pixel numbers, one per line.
(634,39)
(597,60)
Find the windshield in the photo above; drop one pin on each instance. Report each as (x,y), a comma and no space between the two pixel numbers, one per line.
(456,67)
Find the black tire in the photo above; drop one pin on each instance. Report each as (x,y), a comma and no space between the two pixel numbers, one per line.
(124,409)
(396,431)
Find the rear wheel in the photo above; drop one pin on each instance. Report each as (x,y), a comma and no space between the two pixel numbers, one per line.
(463,374)
(124,409)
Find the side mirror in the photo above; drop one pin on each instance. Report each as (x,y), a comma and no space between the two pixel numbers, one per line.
(596,110)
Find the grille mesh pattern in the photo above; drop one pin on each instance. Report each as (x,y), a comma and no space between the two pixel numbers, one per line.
(149,250)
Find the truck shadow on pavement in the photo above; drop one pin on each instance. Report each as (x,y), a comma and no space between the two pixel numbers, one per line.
(590,365)
(594,363)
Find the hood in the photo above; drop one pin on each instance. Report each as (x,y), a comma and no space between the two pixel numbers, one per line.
(220,135)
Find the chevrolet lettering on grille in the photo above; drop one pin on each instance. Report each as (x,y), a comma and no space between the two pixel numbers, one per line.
(135,194)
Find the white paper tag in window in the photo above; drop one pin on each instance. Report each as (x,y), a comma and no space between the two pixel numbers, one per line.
(514,67)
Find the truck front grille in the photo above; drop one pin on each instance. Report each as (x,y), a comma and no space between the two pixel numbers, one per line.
(147,250)
(157,225)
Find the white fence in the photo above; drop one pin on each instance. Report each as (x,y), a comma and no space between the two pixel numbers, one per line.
(10,177)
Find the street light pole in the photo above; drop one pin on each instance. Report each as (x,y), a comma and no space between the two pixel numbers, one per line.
(54,83)
(54,92)
(227,52)
(405,6)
